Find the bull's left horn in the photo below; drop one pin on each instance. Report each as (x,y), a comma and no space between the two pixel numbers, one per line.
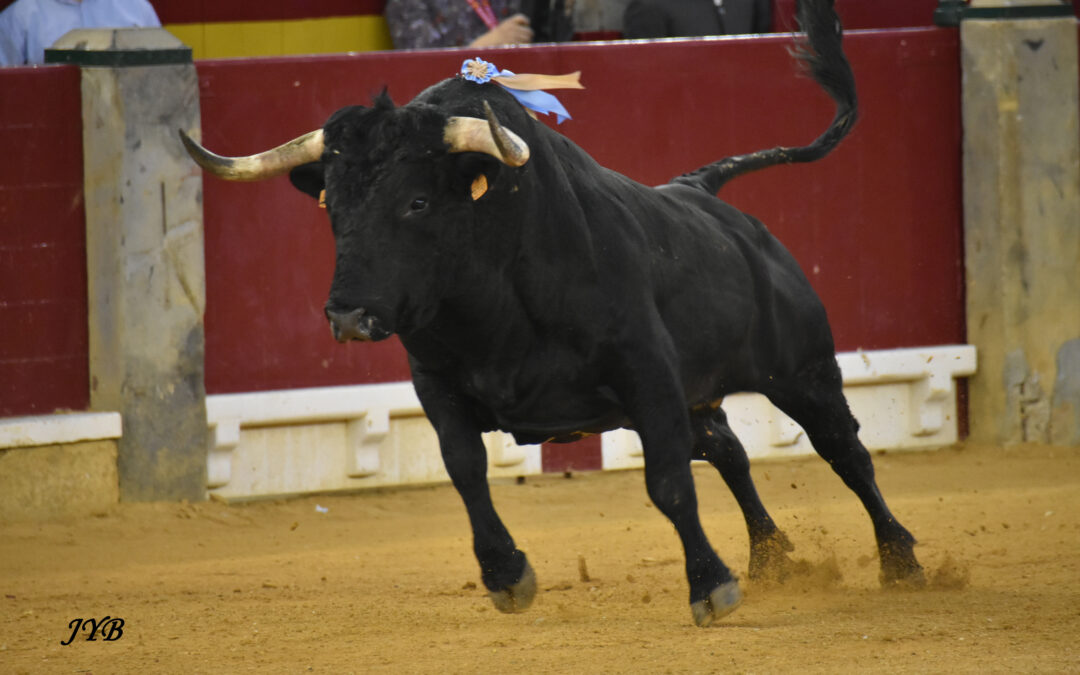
(470,134)
(307,148)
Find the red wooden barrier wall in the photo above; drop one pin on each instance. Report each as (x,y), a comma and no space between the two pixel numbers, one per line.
(876,225)
(43,333)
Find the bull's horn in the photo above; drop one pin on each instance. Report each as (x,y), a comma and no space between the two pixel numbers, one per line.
(307,148)
(470,134)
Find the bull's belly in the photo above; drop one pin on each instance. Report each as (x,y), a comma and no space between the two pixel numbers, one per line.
(529,431)
(562,410)
(556,412)
(589,418)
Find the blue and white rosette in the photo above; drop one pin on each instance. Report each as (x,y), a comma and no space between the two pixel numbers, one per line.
(526,88)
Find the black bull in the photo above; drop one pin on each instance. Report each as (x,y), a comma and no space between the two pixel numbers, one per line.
(539,293)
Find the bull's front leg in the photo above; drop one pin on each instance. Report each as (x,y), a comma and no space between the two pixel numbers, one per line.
(653,398)
(504,570)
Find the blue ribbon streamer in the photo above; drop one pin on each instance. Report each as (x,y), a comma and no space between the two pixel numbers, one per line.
(537,100)
(542,102)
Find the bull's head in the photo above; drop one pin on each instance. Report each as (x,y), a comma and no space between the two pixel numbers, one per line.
(399,187)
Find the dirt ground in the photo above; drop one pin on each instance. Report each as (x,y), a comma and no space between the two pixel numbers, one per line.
(385,581)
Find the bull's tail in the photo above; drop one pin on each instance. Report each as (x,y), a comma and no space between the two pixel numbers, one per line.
(822,54)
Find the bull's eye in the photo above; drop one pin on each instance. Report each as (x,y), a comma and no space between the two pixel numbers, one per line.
(418,204)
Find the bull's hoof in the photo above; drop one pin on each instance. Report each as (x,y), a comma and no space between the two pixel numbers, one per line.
(769,562)
(519,595)
(723,600)
(902,574)
(900,568)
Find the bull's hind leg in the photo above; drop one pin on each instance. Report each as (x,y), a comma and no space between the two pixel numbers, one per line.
(716,443)
(815,400)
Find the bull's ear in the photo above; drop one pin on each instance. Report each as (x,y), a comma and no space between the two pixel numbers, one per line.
(476,174)
(308,178)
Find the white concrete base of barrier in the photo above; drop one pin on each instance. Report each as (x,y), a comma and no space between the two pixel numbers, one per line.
(58,466)
(334,438)
(340,438)
(58,429)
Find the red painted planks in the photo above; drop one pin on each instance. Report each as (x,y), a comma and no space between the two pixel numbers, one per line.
(43,316)
(583,455)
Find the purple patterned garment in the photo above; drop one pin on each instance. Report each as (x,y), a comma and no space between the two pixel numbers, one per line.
(421,24)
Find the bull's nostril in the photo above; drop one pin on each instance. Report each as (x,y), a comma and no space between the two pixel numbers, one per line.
(345,326)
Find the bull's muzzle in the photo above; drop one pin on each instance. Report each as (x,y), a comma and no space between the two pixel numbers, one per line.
(356,324)
(347,326)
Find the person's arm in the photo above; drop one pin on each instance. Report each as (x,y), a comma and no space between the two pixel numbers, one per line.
(147,17)
(512,31)
(644,19)
(12,39)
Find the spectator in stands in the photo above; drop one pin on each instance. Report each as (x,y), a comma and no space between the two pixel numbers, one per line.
(692,18)
(27,27)
(419,24)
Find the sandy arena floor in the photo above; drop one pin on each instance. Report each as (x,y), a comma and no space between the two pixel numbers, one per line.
(385,581)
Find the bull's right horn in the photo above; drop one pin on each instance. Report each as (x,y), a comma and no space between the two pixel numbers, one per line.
(307,148)
(470,134)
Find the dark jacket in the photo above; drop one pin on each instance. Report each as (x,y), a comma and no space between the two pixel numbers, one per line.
(691,18)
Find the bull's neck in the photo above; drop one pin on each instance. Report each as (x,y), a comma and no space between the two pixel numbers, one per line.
(541,269)
(474,327)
